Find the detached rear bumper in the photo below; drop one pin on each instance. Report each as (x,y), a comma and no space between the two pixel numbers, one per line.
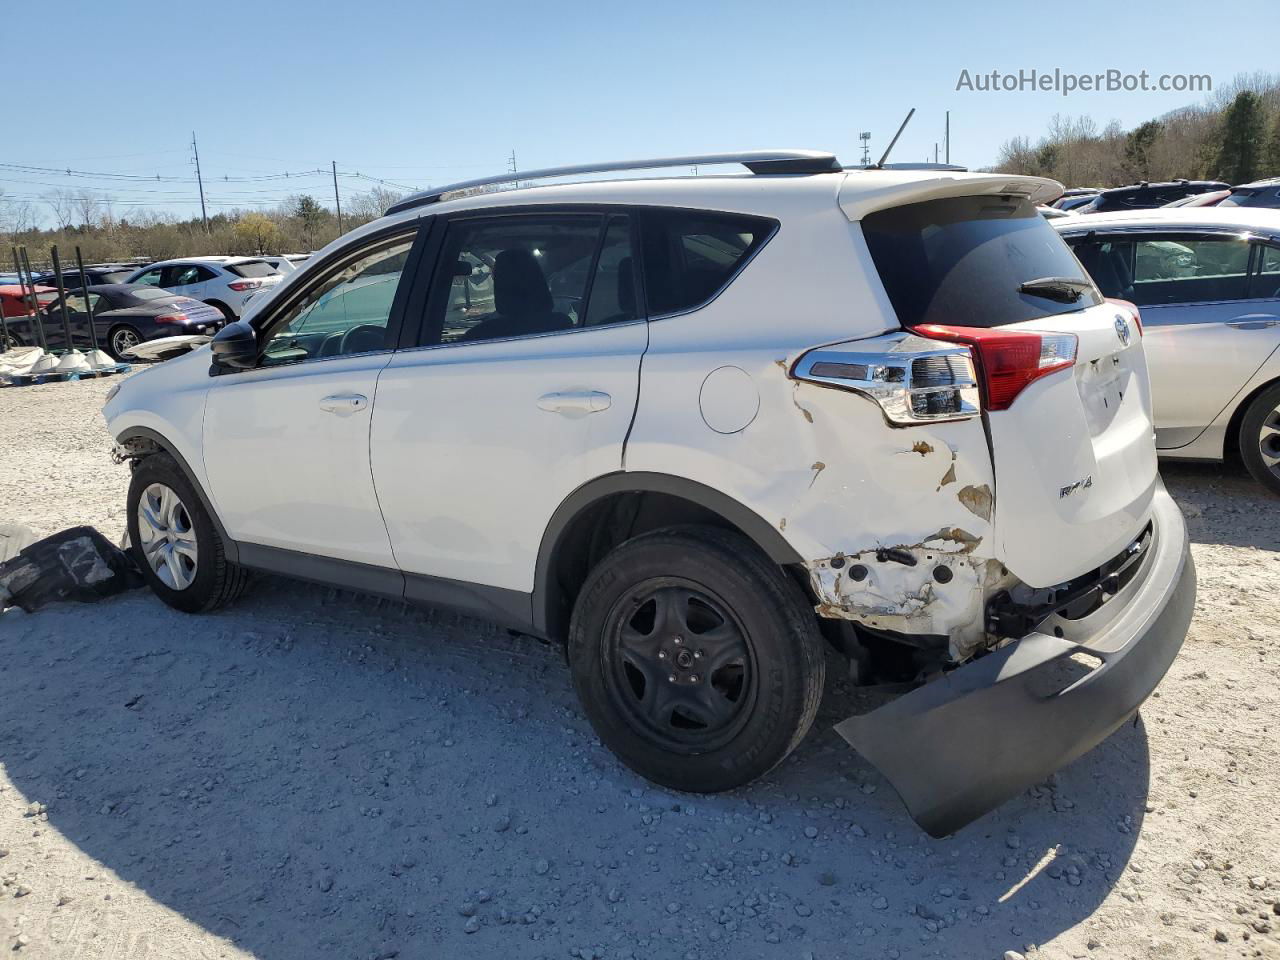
(960,746)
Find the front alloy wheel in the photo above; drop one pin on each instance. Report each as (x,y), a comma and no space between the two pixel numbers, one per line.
(167,537)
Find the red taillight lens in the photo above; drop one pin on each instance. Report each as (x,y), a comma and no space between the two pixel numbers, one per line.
(241,285)
(172,318)
(1008,361)
(1131,308)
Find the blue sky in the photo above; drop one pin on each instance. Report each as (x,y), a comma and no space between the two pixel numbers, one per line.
(429,92)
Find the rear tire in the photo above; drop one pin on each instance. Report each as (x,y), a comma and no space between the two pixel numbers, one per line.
(120,339)
(698,662)
(1260,438)
(174,540)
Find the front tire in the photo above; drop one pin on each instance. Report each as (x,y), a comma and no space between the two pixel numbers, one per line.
(1260,438)
(698,662)
(174,541)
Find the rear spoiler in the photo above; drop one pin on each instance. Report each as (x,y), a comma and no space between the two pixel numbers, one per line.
(867,191)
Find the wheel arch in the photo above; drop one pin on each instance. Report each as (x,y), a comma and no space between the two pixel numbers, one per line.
(137,443)
(615,507)
(1231,439)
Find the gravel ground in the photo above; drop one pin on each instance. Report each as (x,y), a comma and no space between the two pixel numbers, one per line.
(314,774)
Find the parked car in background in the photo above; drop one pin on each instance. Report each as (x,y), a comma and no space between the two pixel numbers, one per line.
(1053,213)
(124,316)
(14,298)
(1074,197)
(941,462)
(288,262)
(1143,196)
(1207,283)
(227,283)
(94,274)
(1261,193)
(1210,199)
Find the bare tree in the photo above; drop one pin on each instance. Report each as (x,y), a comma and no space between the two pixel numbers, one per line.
(87,209)
(62,204)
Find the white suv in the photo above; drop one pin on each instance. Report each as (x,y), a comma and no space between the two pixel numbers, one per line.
(699,429)
(227,283)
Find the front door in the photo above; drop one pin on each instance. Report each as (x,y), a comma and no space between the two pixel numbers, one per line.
(286,445)
(522,389)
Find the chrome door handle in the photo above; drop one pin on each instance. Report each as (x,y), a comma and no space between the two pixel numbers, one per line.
(344,404)
(575,403)
(1254,321)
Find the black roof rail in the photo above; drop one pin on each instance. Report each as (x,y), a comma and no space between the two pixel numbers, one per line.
(756,161)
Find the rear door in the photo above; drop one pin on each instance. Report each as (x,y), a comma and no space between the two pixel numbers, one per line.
(1209,325)
(520,388)
(1074,464)
(187,279)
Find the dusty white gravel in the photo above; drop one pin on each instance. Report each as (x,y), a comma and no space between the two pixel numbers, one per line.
(313,774)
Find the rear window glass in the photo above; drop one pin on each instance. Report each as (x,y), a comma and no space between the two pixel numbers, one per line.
(150,293)
(119,276)
(960,261)
(689,257)
(252,268)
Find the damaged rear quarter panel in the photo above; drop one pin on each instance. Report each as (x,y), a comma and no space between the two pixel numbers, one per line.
(824,467)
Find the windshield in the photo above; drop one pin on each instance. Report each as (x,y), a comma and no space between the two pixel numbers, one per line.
(962,260)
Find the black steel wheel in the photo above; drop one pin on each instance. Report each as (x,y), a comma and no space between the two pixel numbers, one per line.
(683,670)
(697,660)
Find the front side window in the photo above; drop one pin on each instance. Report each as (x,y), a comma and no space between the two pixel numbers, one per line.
(345,313)
(150,279)
(689,256)
(527,275)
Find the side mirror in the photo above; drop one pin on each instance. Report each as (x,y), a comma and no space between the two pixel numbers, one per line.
(235,347)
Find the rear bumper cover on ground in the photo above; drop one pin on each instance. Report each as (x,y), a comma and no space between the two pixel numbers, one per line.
(960,746)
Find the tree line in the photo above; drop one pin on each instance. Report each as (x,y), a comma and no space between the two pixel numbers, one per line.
(105,234)
(1234,137)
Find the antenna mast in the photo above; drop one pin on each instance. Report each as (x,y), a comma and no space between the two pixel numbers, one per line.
(889,149)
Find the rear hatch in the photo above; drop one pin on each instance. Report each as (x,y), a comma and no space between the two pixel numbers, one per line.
(1065,394)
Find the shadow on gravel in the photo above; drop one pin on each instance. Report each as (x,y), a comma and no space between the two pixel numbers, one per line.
(312,774)
(1224,504)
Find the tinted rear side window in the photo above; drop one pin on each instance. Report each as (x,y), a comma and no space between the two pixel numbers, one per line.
(689,256)
(961,260)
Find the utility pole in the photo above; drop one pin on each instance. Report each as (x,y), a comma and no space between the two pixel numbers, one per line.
(947,137)
(511,160)
(865,137)
(336,201)
(204,214)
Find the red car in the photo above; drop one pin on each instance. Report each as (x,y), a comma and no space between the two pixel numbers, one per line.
(13,302)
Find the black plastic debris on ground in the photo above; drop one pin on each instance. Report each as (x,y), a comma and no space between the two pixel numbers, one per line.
(78,564)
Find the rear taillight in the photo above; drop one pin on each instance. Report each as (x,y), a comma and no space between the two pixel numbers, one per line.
(912,379)
(242,285)
(1008,361)
(1131,309)
(172,318)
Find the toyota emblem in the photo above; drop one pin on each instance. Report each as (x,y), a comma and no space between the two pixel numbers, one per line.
(1122,330)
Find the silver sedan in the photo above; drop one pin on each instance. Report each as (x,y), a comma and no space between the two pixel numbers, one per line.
(1207,282)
